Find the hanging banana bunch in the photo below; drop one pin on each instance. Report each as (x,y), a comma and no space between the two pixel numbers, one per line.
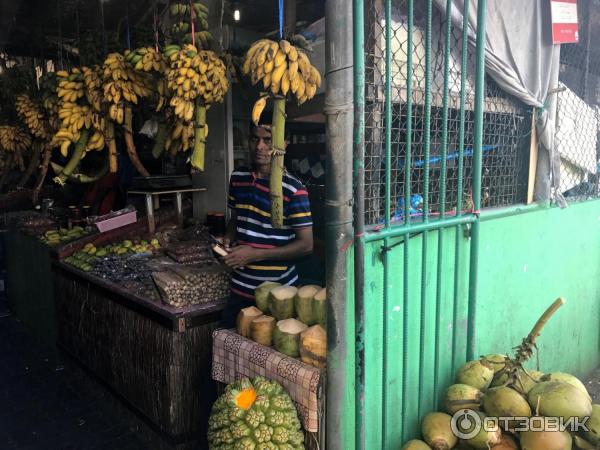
(147,59)
(196,79)
(184,15)
(33,115)
(283,70)
(50,101)
(82,123)
(124,86)
(15,141)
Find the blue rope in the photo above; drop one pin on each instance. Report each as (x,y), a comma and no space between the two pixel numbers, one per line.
(280,19)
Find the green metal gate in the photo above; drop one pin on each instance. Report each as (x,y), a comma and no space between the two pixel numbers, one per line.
(415,268)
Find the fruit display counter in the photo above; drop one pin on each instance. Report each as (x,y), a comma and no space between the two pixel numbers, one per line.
(124,314)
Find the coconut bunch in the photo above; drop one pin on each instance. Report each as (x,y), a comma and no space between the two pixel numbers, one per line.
(488,389)
(283,70)
(196,79)
(33,115)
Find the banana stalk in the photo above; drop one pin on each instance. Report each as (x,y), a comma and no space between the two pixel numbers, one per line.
(75,158)
(8,164)
(133,156)
(20,161)
(160,140)
(197,159)
(42,175)
(82,177)
(112,146)
(276,176)
(33,163)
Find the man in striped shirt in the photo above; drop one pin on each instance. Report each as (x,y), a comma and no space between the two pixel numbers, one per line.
(260,252)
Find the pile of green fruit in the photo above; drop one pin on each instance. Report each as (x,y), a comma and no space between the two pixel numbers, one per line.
(62,235)
(497,386)
(82,259)
(130,246)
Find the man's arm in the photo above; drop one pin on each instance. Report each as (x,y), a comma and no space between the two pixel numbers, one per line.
(244,254)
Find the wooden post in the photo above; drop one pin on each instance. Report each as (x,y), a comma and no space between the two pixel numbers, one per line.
(533,154)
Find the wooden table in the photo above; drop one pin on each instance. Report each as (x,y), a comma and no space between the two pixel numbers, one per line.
(157,192)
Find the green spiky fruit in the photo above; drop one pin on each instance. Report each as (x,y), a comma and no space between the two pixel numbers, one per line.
(255,413)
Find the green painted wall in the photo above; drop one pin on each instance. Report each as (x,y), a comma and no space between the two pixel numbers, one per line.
(526,261)
(412,347)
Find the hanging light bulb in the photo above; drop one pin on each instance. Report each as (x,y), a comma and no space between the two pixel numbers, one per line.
(237,14)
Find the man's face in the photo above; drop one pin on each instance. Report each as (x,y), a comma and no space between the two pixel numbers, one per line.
(260,145)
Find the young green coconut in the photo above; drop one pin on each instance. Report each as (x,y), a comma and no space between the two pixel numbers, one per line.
(415,444)
(437,431)
(545,440)
(513,368)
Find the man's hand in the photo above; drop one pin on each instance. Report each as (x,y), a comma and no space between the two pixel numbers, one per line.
(240,256)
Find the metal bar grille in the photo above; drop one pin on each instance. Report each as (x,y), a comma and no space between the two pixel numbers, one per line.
(578,111)
(506,133)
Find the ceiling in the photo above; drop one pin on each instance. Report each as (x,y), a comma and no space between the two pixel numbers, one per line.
(33,28)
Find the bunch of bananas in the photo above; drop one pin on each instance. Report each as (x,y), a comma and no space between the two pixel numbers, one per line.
(195,75)
(14,139)
(147,59)
(122,83)
(70,85)
(49,86)
(182,30)
(282,68)
(180,137)
(33,116)
(76,118)
(92,79)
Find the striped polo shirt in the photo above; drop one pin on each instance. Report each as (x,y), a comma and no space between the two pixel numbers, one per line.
(249,196)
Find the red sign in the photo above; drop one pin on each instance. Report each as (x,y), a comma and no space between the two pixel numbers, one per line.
(564,21)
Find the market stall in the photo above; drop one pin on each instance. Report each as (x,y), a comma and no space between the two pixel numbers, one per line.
(139,312)
(114,139)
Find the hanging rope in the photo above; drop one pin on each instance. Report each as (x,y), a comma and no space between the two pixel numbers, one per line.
(60,56)
(128,43)
(104,43)
(192,17)
(280,19)
(155,26)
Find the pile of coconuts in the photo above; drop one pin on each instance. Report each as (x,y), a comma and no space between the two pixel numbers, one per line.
(499,386)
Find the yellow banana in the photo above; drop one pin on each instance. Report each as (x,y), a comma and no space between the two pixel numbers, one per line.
(258,108)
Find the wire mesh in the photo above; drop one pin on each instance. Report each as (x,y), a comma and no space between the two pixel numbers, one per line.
(578,113)
(506,122)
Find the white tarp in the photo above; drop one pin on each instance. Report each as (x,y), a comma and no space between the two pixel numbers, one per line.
(520,57)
